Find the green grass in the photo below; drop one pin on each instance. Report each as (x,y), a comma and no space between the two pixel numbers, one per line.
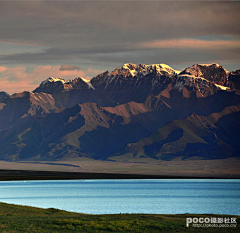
(15,218)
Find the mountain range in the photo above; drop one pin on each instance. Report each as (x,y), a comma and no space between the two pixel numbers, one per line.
(135,111)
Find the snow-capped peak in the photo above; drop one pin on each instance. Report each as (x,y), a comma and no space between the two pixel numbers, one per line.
(63,81)
(51,79)
(143,70)
(54,85)
(208,65)
(200,67)
(161,68)
(129,66)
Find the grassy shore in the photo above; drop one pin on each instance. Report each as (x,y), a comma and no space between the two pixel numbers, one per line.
(18,219)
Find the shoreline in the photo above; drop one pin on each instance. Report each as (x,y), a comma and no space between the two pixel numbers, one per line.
(111,214)
(19,218)
(18,175)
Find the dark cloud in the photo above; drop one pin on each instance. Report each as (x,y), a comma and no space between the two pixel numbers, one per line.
(68,67)
(83,23)
(121,55)
(107,32)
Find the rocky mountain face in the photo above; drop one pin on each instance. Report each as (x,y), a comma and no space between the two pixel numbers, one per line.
(215,74)
(142,111)
(3,95)
(132,83)
(21,107)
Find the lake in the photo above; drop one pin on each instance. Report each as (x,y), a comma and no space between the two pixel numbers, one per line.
(158,196)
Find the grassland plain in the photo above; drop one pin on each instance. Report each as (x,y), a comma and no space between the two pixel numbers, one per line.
(18,219)
(219,168)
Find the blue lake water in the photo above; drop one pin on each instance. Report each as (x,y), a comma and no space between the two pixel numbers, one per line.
(127,196)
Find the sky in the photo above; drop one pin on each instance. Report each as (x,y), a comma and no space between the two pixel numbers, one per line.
(70,39)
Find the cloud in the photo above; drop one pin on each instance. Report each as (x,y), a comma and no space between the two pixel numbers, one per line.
(143,52)
(18,79)
(3,69)
(189,44)
(79,24)
(110,33)
(68,67)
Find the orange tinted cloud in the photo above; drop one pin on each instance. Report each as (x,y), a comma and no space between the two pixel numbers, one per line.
(43,72)
(189,44)
(18,79)
(15,87)
(2,68)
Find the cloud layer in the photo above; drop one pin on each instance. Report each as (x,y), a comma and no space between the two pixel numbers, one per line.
(18,79)
(189,44)
(68,67)
(79,35)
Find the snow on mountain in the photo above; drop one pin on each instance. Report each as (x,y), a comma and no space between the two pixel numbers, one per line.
(211,72)
(204,70)
(142,70)
(186,115)
(133,76)
(135,82)
(222,87)
(54,85)
(216,74)
(53,80)
(132,82)
(194,81)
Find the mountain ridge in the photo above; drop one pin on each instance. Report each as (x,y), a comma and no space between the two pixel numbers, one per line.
(99,118)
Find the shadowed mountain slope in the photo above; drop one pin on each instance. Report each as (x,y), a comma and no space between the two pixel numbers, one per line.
(135,111)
